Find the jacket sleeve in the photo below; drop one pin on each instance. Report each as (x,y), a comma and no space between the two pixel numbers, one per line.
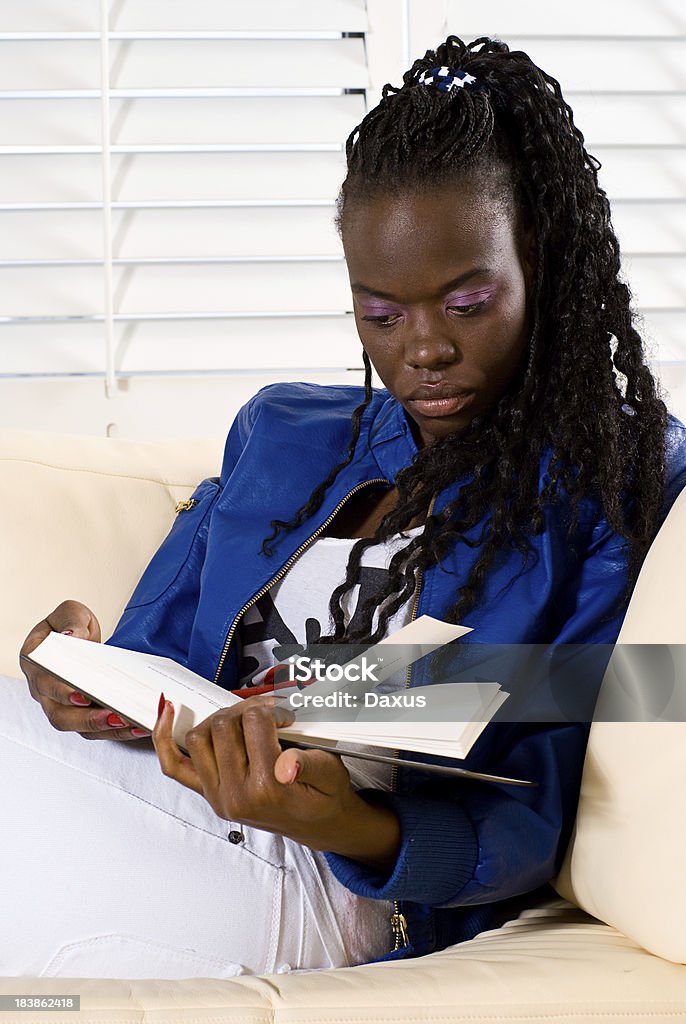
(466,842)
(472,843)
(159,617)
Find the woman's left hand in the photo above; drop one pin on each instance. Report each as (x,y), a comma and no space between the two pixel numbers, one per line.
(236,763)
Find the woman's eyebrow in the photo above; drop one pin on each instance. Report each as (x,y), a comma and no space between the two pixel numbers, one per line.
(357,286)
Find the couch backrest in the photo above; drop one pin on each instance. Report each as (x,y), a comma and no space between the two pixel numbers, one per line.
(80,518)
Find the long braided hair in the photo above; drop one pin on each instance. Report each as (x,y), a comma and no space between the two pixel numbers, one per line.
(586,400)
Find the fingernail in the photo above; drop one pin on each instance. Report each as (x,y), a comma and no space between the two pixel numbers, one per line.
(296,771)
(160,706)
(67,632)
(78,698)
(139,732)
(116,722)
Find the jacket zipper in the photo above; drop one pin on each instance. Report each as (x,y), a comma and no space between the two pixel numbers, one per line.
(284,569)
(398,920)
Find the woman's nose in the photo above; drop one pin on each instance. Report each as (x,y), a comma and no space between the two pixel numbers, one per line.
(428,345)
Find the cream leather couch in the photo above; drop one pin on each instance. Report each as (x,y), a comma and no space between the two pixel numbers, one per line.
(79,517)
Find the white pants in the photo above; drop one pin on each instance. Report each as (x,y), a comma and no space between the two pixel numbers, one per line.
(110,869)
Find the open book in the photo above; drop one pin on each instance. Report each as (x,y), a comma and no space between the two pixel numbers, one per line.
(343,707)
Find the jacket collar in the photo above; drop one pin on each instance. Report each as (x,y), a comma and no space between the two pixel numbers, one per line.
(390,438)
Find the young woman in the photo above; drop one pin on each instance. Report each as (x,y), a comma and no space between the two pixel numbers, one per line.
(510,476)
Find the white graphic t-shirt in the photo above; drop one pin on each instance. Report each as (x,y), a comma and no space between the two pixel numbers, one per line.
(295,611)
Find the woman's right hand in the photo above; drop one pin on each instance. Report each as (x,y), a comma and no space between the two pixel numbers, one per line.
(66,708)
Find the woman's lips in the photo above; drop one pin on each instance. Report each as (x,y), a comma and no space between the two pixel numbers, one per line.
(436,407)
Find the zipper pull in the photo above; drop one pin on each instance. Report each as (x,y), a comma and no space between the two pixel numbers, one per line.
(399,928)
(184,506)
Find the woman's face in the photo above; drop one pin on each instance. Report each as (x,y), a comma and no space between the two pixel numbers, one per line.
(439,286)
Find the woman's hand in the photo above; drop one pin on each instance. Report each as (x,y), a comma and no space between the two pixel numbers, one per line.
(66,708)
(236,762)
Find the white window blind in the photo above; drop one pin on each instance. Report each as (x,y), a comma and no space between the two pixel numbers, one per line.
(223,147)
(172,214)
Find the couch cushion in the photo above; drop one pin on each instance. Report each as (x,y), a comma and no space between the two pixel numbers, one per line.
(625,863)
(80,518)
(554,964)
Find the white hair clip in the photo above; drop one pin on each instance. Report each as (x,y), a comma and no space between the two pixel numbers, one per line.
(446,80)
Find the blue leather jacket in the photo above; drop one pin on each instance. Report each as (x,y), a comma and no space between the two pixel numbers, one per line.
(469,849)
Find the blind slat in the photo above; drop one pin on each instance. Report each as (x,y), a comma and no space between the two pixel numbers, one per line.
(199,176)
(148,121)
(613,18)
(69,291)
(195,64)
(169,232)
(632,120)
(639,174)
(152,15)
(665,335)
(182,345)
(657,281)
(610,65)
(180,16)
(651,227)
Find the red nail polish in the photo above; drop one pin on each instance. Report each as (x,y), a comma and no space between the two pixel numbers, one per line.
(67,632)
(78,698)
(116,722)
(296,773)
(160,706)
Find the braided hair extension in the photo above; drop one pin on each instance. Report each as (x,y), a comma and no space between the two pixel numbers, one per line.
(586,401)
(317,496)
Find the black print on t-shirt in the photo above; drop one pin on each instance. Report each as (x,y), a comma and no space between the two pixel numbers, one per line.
(273,631)
(372,582)
(271,627)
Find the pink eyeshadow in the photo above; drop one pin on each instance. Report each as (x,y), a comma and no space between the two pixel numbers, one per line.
(470,298)
(373,309)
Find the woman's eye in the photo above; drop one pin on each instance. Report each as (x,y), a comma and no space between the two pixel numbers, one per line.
(383,321)
(466,310)
(468,303)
